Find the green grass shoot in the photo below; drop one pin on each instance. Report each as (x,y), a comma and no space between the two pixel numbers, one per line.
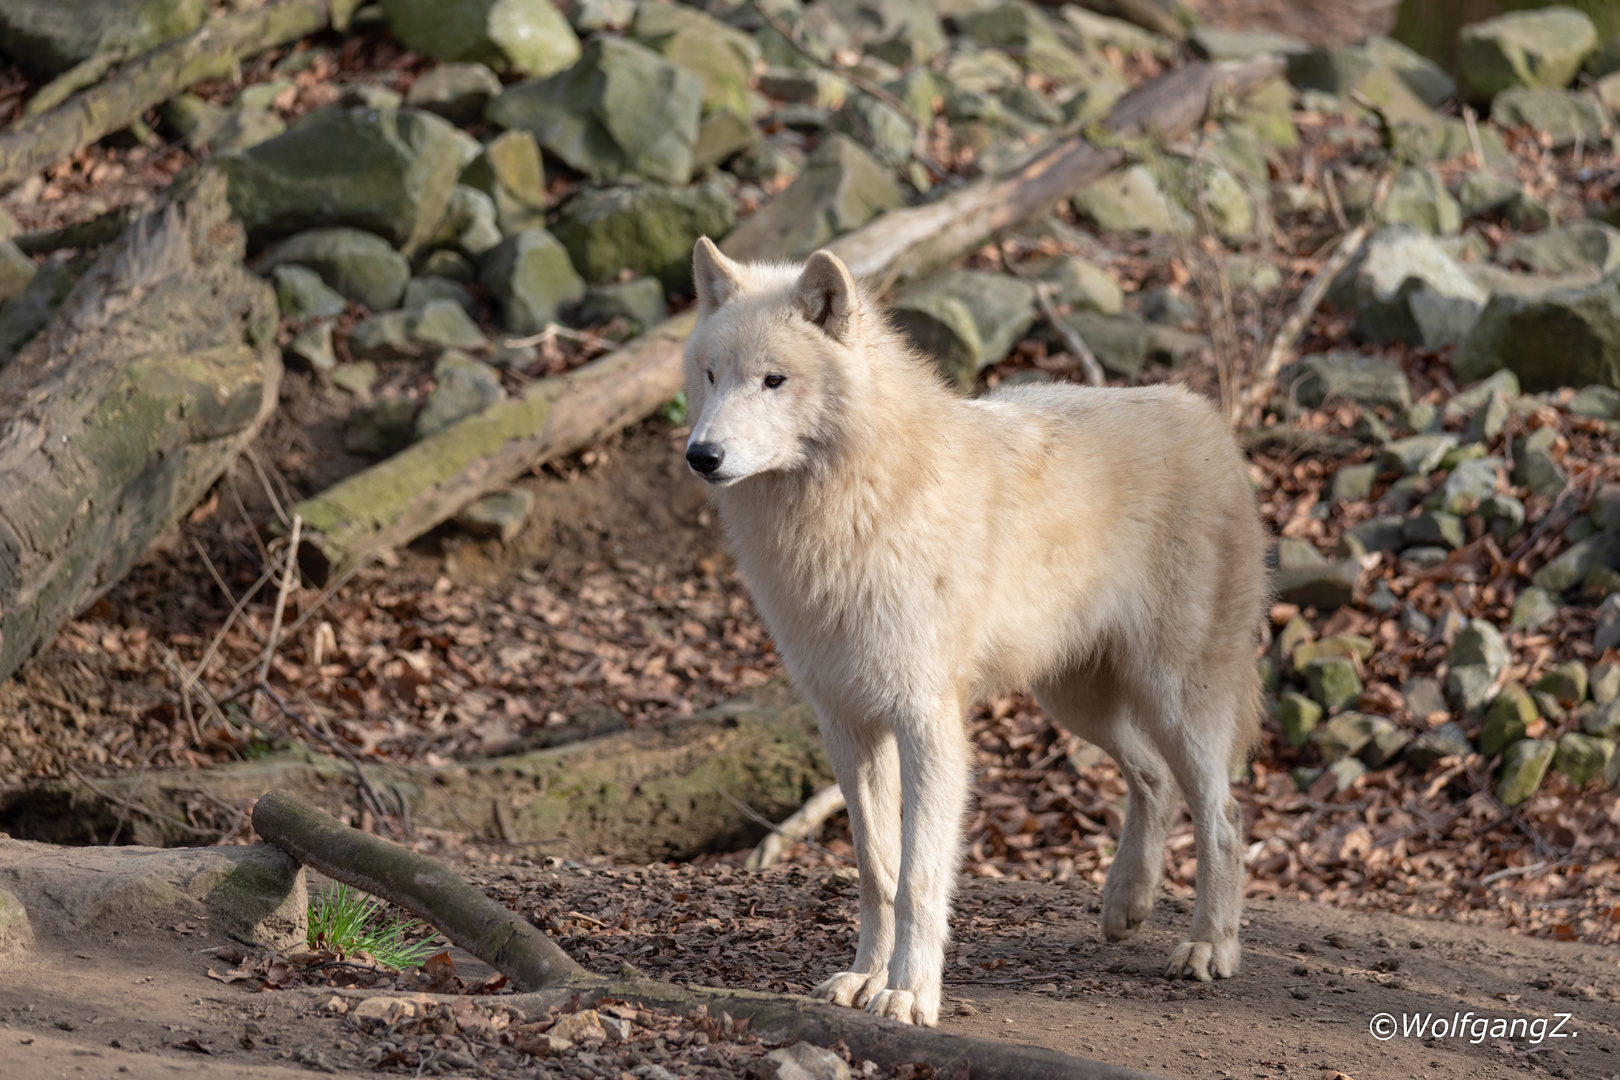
(346,921)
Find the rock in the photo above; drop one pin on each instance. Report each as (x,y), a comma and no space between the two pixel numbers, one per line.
(1447,740)
(500,514)
(965,319)
(643,228)
(357,264)
(253,892)
(518,37)
(1541,48)
(457,92)
(721,136)
(1561,114)
(1480,643)
(1407,288)
(1091,32)
(1484,193)
(1346,735)
(421,290)
(1524,763)
(356,378)
(1350,646)
(1424,556)
(1126,345)
(804,1061)
(387,171)
(1131,201)
(841,188)
(302,294)
(584,1026)
(1566,683)
(27,313)
(1566,571)
(1535,466)
(312,348)
(1368,380)
(381,429)
(1352,483)
(1080,284)
(623,110)
(1564,249)
(878,127)
(1600,403)
(1607,635)
(1468,687)
(1424,699)
(470,224)
(1324,585)
(1533,608)
(1298,715)
(1469,484)
(1345,773)
(1605,686)
(1020,26)
(210,127)
(1211,43)
(1387,76)
(1436,528)
(1333,681)
(1441,138)
(1583,758)
(589,16)
(721,56)
(1510,714)
(1418,455)
(640,301)
(1418,198)
(47,39)
(463,387)
(1427,79)
(510,173)
(532,279)
(415,334)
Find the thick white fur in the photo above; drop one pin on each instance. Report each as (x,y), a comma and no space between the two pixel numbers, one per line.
(913,551)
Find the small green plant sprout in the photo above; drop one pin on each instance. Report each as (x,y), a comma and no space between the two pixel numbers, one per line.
(347,922)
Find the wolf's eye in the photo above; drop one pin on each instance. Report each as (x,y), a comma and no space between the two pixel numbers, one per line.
(773,381)
(710,374)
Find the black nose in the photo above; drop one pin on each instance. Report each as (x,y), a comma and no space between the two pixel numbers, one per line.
(705,457)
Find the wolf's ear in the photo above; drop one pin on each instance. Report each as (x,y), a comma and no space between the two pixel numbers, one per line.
(715,277)
(826,295)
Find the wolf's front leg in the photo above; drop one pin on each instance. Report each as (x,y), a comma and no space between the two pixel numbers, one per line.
(934,787)
(868,770)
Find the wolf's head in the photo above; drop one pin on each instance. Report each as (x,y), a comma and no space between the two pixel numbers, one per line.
(777,350)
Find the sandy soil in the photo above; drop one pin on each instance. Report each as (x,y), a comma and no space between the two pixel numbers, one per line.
(1026,966)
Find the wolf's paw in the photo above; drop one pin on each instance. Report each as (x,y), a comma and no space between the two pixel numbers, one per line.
(906,1007)
(1123,916)
(1204,961)
(851,988)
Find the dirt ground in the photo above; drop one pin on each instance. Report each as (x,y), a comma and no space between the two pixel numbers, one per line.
(1026,965)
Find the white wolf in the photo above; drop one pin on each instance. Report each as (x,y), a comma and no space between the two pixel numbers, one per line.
(913,551)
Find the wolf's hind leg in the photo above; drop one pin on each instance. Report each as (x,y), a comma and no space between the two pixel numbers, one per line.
(1093,706)
(1198,750)
(867,765)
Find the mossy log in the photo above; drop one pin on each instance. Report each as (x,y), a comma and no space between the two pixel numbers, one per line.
(533,962)
(401,498)
(157,370)
(213,51)
(643,794)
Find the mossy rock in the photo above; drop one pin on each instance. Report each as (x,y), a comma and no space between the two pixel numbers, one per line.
(643,228)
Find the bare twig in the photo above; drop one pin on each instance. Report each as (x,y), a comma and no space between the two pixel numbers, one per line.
(551,333)
(760,819)
(289,571)
(803,825)
(1473,136)
(1072,341)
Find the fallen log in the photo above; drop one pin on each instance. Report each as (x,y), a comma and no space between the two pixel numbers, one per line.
(157,370)
(211,52)
(401,498)
(532,961)
(646,794)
